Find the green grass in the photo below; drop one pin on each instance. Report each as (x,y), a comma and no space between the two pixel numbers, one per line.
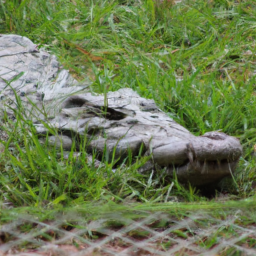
(196,59)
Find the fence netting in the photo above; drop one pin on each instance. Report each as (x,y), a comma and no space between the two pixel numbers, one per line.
(223,231)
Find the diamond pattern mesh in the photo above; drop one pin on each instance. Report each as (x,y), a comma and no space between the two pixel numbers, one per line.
(217,232)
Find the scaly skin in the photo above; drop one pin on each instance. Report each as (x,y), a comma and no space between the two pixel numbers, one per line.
(127,122)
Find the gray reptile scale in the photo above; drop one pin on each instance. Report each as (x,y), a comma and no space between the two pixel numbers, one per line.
(128,122)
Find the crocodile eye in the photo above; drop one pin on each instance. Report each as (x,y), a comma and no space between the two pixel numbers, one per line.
(74,102)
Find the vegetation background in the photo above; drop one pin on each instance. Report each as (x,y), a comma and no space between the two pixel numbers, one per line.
(195,58)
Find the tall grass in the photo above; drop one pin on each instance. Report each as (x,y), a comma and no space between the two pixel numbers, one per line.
(196,59)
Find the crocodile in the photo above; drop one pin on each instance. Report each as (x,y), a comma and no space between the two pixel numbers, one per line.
(128,123)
